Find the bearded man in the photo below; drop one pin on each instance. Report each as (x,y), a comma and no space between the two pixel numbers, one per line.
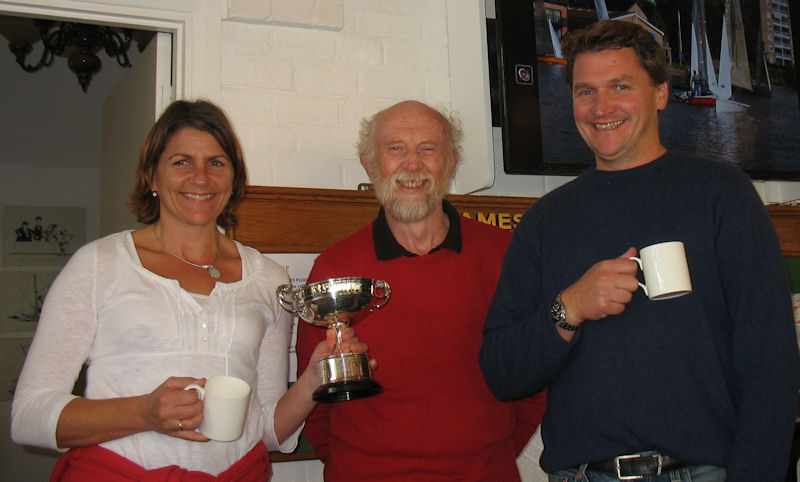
(436,420)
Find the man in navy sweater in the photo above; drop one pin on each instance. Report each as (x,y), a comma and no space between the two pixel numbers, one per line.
(699,387)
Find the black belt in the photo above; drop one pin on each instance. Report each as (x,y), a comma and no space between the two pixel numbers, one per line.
(636,466)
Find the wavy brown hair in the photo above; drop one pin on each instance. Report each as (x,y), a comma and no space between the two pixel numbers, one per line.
(616,34)
(201,115)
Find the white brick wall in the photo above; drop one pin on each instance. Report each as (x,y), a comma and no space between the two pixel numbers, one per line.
(299,75)
(318,13)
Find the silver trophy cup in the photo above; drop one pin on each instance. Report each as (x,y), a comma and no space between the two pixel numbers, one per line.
(337,303)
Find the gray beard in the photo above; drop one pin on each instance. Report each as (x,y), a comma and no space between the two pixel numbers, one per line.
(405,211)
(410,211)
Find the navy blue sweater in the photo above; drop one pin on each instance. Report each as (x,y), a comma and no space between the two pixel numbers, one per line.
(707,378)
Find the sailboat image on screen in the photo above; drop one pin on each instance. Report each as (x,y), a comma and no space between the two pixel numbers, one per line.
(706,88)
(733,66)
(548,47)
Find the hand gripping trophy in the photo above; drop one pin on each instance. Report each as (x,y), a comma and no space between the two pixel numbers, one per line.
(337,303)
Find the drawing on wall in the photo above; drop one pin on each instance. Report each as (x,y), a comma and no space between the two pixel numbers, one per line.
(22,293)
(12,356)
(41,236)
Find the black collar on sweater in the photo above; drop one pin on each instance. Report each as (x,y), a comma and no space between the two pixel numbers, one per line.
(387,247)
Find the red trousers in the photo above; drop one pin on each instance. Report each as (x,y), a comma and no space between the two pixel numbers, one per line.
(97,464)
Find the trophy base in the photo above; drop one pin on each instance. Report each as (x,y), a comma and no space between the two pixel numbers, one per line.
(344,376)
(346,390)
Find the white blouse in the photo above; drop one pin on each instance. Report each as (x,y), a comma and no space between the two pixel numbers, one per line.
(134,329)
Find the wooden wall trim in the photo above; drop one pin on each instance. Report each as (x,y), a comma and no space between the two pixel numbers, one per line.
(786,220)
(307,220)
(300,220)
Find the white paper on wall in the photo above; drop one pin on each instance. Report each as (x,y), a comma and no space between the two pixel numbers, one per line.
(298,265)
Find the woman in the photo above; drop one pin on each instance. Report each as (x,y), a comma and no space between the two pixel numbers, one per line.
(153,310)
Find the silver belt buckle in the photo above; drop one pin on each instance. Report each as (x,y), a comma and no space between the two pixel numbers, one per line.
(636,456)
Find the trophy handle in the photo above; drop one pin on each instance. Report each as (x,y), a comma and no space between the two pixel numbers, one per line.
(382,292)
(286,297)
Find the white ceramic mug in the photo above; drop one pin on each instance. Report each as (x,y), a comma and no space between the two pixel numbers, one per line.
(225,401)
(666,272)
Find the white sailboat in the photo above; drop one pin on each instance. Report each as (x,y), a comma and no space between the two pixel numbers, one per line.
(554,39)
(740,66)
(711,76)
(724,90)
(600,8)
(693,53)
(727,69)
(548,47)
(700,78)
(732,61)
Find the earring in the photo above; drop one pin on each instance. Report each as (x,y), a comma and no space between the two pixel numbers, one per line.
(155,194)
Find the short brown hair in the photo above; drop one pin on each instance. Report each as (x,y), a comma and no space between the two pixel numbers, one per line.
(616,34)
(201,115)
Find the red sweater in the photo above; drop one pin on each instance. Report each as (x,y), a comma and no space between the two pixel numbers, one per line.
(98,464)
(436,420)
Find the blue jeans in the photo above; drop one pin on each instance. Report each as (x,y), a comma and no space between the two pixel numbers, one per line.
(698,473)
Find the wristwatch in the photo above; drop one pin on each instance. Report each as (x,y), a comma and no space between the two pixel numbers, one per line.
(560,315)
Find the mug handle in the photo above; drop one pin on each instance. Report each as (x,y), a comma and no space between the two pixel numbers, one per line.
(201,392)
(639,262)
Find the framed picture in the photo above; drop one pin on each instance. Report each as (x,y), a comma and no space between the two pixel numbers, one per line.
(12,356)
(22,292)
(41,236)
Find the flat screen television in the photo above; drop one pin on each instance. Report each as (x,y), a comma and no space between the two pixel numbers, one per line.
(531,103)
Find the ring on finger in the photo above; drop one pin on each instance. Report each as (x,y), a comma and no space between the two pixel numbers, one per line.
(180,425)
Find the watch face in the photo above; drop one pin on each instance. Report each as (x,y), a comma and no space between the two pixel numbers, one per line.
(557,310)
(560,315)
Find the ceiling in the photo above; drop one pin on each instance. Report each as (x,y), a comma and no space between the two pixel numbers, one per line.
(48,120)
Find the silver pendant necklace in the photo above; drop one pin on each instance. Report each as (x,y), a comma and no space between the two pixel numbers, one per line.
(212,270)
